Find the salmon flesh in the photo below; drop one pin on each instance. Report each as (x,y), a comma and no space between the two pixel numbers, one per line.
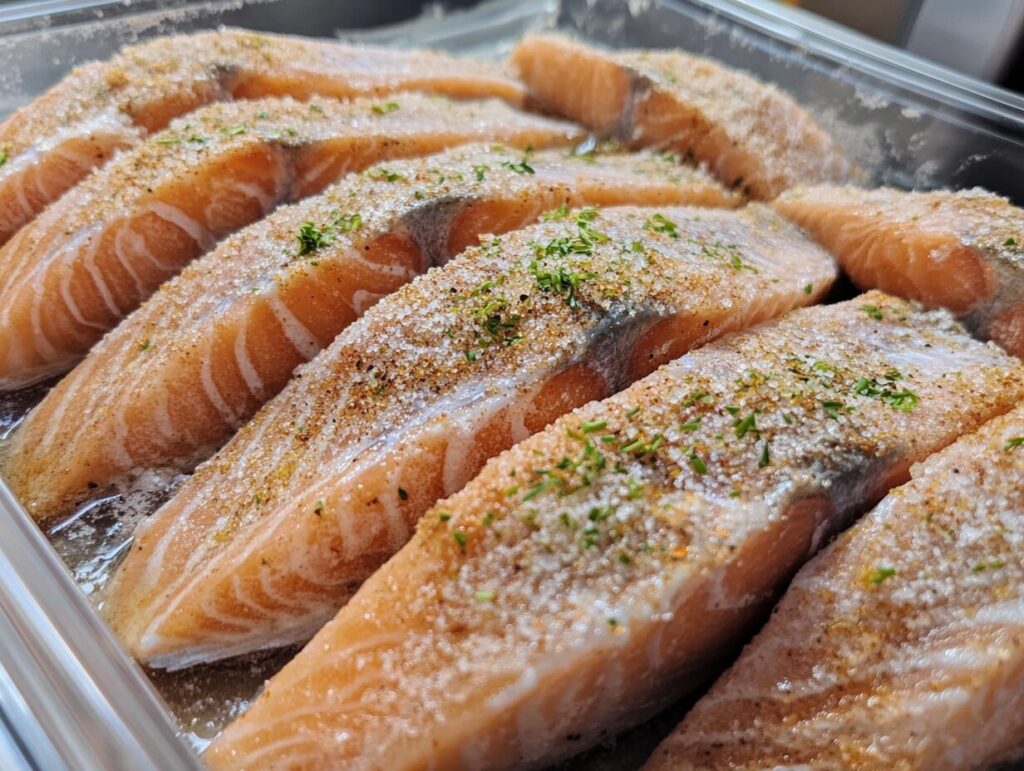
(274,533)
(52,143)
(752,135)
(604,566)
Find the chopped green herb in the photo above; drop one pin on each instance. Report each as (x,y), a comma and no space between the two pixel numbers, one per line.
(881,574)
(556,214)
(590,426)
(697,462)
(659,223)
(234,131)
(523,167)
(904,400)
(484,596)
(765,458)
(832,408)
(695,397)
(613,623)
(1010,241)
(461,539)
(728,253)
(3,156)
(746,425)
(319,508)
(693,425)
(444,516)
(313,238)
(636,489)
(381,173)
(808,288)
(1013,443)
(145,345)
(480,171)
(385,108)
(560,281)
(873,311)
(981,567)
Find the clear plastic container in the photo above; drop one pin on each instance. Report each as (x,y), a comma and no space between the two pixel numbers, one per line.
(69,696)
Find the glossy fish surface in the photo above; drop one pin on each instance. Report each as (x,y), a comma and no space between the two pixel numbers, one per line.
(605,565)
(104,247)
(959,250)
(752,135)
(901,645)
(274,533)
(182,373)
(52,143)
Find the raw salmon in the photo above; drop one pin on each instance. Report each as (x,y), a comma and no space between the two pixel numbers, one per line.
(602,567)
(901,646)
(963,251)
(181,374)
(101,107)
(268,538)
(93,256)
(751,134)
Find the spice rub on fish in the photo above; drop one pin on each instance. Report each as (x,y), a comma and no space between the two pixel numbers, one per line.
(960,250)
(268,538)
(601,567)
(95,255)
(52,143)
(751,134)
(181,374)
(901,645)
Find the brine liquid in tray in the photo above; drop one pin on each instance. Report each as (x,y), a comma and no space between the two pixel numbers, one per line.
(204,699)
(92,541)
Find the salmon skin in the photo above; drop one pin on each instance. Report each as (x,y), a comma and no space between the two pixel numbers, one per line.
(600,568)
(752,135)
(102,107)
(293,282)
(900,646)
(268,538)
(93,256)
(959,250)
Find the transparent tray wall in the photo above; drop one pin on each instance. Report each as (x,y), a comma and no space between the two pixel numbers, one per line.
(69,697)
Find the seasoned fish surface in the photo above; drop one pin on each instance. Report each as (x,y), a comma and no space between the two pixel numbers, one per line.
(102,107)
(963,251)
(264,543)
(752,135)
(182,373)
(95,255)
(901,645)
(593,572)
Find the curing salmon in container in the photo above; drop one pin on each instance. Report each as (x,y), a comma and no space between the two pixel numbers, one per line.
(500,385)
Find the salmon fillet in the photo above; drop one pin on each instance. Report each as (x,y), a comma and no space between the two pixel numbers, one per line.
(604,565)
(102,107)
(182,373)
(901,646)
(268,538)
(751,134)
(963,251)
(93,256)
